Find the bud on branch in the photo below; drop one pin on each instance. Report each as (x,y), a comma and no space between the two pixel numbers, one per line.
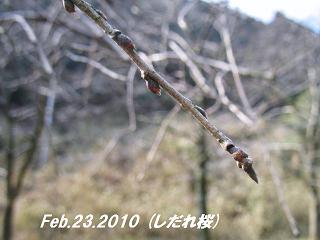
(68,6)
(152,85)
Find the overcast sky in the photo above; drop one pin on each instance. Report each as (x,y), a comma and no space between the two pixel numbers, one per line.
(306,11)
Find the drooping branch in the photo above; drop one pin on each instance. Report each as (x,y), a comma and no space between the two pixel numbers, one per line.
(243,160)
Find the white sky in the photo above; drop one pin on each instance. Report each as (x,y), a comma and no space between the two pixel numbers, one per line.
(305,11)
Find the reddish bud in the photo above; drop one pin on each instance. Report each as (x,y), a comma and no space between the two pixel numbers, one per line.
(68,6)
(123,40)
(239,156)
(153,86)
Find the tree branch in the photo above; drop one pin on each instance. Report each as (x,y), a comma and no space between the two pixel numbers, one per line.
(97,65)
(226,101)
(243,160)
(281,196)
(32,149)
(225,35)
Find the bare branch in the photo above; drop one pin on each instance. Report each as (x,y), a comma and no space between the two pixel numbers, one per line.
(32,150)
(158,139)
(218,64)
(130,103)
(97,65)
(226,101)
(221,65)
(243,160)
(196,73)
(280,193)
(315,104)
(234,68)
(23,23)
(183,12)
(132,118)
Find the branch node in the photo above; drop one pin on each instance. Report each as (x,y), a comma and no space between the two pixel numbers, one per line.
(201,111)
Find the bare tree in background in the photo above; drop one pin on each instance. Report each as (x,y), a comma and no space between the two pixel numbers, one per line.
(313,147)
(203,180)
(16,172)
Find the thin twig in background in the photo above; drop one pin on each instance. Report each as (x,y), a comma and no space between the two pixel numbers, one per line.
(218,64)
(281,197)
(226,101)
(312,141)
(88,74)
(315,104)
(223,30)
(195,71)
(158,139)
(97,65)
(130,102)
(48,69)
(49,108)
(183,12)
(243,160)
(107,150)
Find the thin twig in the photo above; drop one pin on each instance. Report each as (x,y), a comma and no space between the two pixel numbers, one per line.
(223,30)
(226,101)
(280,193)
(130,102)
(97,65)
(158,139)
(243,160)
(47,68)
(195,71)
(132,119)
(183,12)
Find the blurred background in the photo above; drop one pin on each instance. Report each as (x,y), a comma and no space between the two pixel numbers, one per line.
(80,133)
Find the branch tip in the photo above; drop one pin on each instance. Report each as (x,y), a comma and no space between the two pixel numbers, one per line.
(252,174)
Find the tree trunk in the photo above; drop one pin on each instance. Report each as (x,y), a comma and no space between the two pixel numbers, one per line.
(203,184)
(314,214)
(8,220)
(313,145)
(10,191)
